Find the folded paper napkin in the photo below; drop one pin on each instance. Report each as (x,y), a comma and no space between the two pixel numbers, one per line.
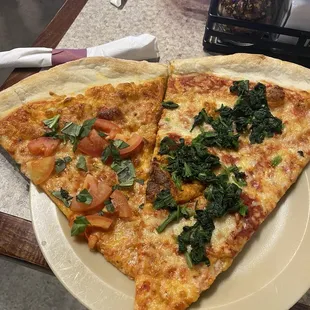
(142,47)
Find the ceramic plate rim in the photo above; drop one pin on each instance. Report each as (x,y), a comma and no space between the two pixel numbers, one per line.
(109,297)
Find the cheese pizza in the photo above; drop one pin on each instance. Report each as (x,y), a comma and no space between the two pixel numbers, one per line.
(167,174)
(233,138)
(85,133)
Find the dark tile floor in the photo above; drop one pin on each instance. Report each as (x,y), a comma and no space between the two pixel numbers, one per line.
(21,21)
(26,289)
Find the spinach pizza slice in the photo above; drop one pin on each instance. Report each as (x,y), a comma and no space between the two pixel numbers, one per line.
(232,139)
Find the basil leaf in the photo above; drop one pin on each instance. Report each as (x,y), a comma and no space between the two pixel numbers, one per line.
(125,172)
(301,153)
(67,159)
(110,151)
(85,197)
(102,134)
(53,134)
(60,165)
(116,186)
(276,161)
(243,210)
(86,127)
(120,144)
(79,225)
(52,123)
(64,196)
(140,181)
(169,105)
(109,205)
(72,130)
(81,163)
(141,206)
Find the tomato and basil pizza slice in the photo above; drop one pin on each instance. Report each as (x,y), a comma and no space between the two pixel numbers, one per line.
(84,132)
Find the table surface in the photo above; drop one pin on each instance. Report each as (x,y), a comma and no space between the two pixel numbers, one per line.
(179,27)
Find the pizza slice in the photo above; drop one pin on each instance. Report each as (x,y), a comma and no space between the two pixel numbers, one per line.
(233,137)
(84,132)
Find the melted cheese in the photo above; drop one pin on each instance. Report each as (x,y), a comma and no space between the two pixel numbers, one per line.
(139,105)
(163,269)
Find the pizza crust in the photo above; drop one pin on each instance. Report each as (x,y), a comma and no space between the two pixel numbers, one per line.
(75,77)
(257,68)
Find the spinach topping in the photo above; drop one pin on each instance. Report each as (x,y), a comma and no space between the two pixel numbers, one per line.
(276,161)
(61,164)
(169,105)
(200,119)
(193,162)
(125,172)
(166,145)
(189,162)
(252,112)
(195,237)
(79,225)
(81,163)
(223,197)
(84,196)
(223,135)
(164,200)
(64,196)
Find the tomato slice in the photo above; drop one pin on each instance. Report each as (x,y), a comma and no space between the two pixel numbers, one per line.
(92,145)
(43,146)
(40,169)
(100,192)
(100,221)
(90,183)
(107,126)
(120,203)
(135,145)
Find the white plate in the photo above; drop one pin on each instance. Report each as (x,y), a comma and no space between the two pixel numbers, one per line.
(272,272)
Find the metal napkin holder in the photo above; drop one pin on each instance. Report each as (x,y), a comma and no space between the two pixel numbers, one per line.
(220,41)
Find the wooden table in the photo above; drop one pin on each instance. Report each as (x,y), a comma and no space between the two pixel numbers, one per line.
(17,239)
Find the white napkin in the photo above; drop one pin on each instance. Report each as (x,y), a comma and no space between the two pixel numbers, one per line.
(141,47)
(117,3)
